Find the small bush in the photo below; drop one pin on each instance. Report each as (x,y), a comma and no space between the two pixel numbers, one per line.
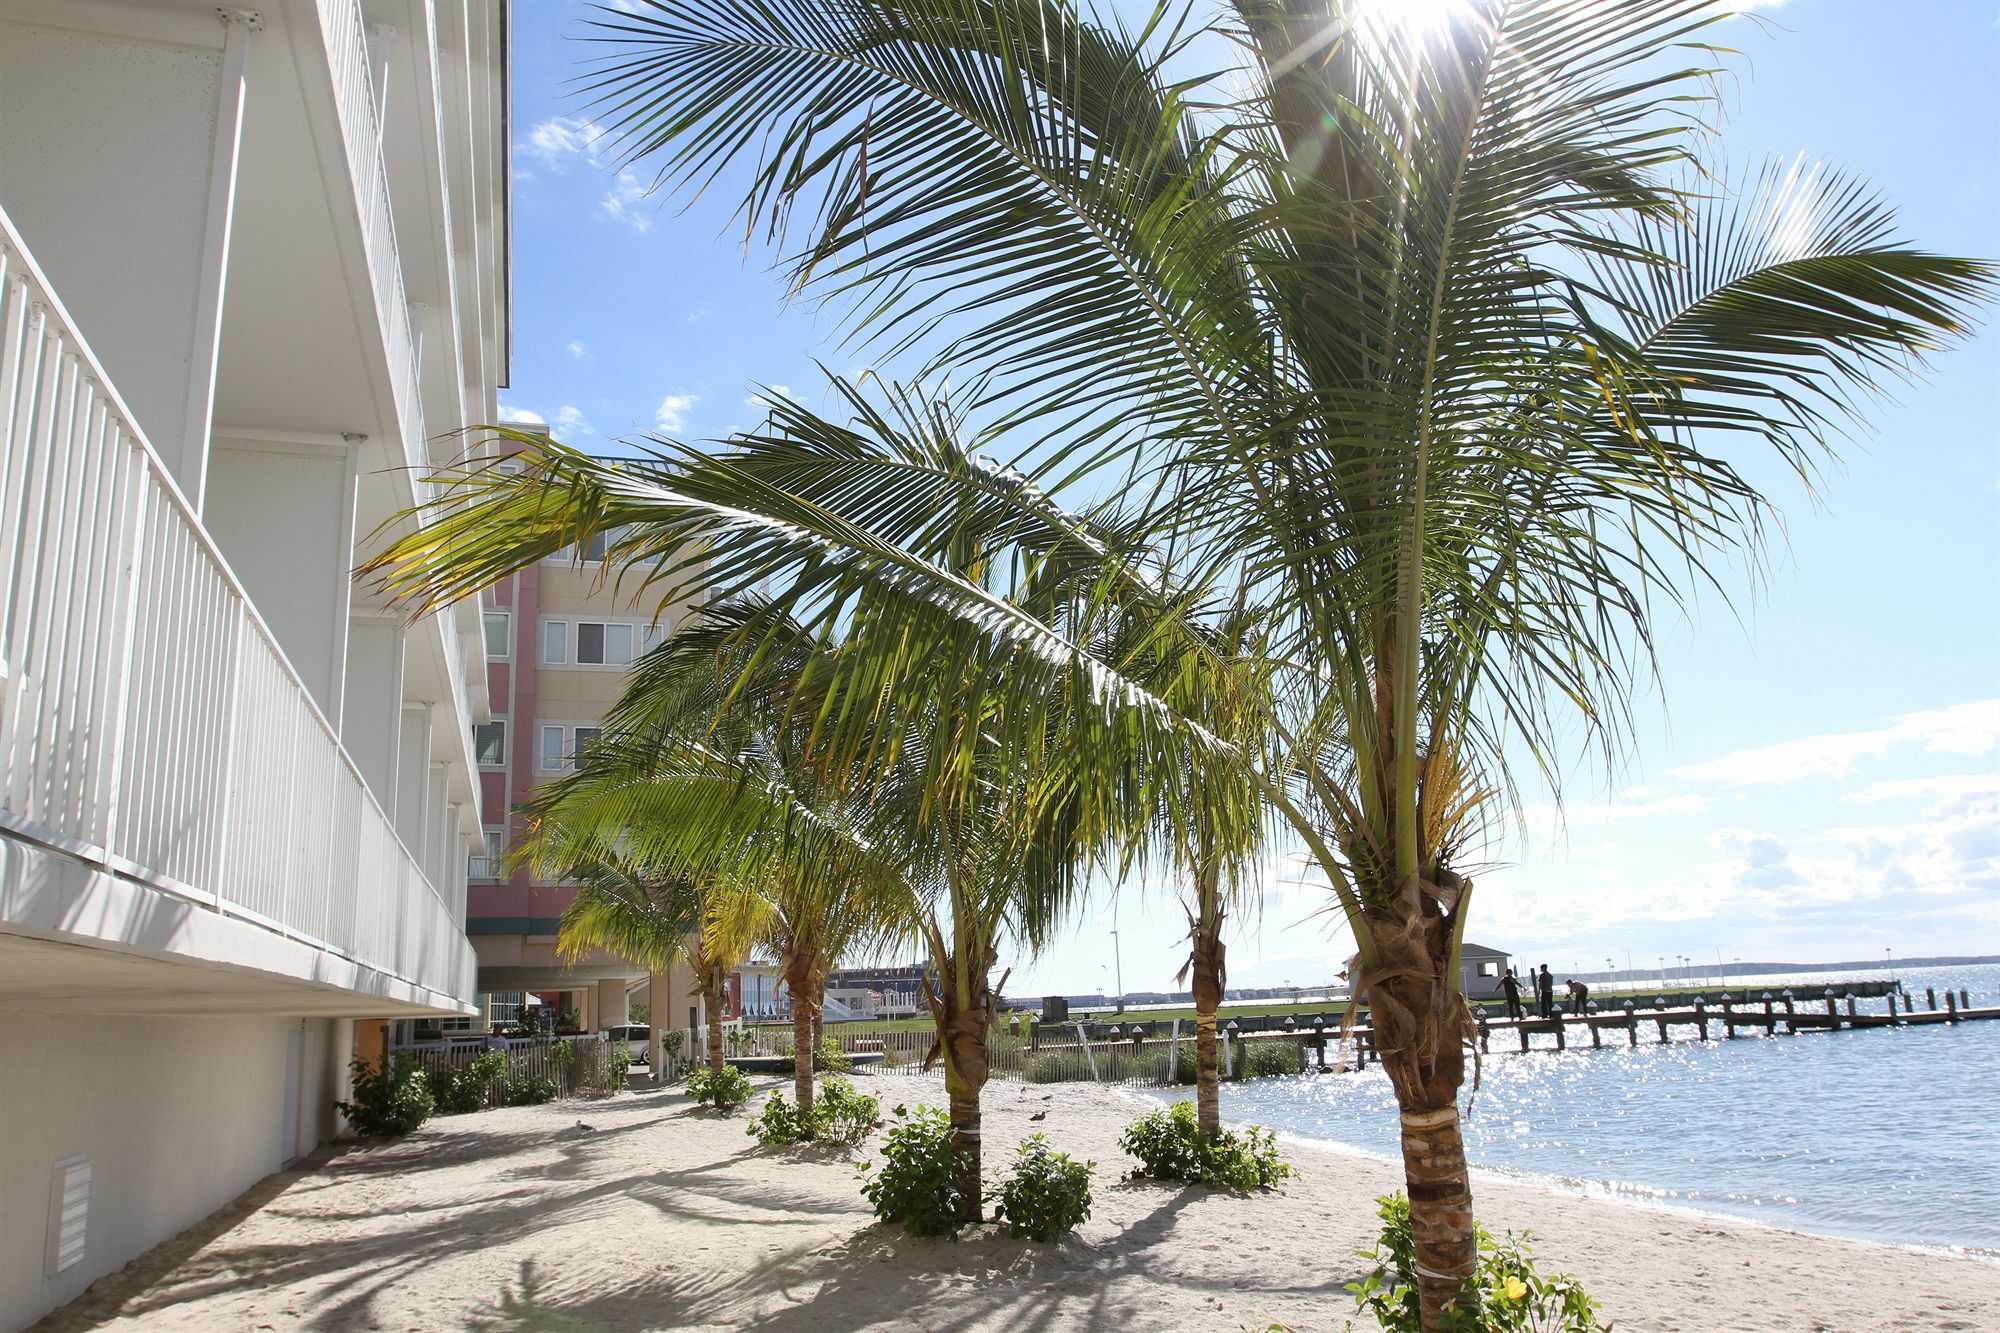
(1169,1146)
(1505,1295)
(840,1114)
(1186,1064)
(532,1090)
(392,1100)
(1262,1059)
(617,1067)
(917,1184)
(724,1091)
(829,1058)
(1046,1067)
(1045,1194)
(462,1091)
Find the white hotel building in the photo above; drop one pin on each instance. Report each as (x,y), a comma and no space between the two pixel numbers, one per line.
(253,262)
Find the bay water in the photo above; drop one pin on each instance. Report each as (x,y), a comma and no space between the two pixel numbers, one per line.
(1883,1134)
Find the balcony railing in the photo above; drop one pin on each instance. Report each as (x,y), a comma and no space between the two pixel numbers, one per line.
(149,722)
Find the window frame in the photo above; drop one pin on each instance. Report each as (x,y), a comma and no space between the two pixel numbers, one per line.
(565,633)
(500,764)
(568,730)
(506,617)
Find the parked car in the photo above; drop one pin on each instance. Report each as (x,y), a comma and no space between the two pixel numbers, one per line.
(638,1039)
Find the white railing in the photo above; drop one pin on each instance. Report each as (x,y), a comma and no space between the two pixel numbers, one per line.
(342,29)
(148,720)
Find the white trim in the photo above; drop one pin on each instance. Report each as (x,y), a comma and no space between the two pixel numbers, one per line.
(205,347)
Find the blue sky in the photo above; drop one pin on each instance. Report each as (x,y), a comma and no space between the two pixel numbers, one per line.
(1822,778)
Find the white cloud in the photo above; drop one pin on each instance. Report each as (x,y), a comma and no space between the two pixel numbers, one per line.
(672,413)
(561,140)
(1546,822)
(1964,729)
(621,204)
(774,391)
(566,423)
(1925,789)
(577,349)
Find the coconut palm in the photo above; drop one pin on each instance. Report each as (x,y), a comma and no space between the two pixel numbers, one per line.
(700,772)
(1436,343)
(643,915)
(1438,327)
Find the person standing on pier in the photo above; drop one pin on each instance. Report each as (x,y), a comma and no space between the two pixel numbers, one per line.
(1545,990)
(1511,985)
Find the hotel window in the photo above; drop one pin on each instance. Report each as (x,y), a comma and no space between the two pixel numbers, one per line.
(485,863)
(603,643)
(606,643)
(499,636)
(489,743)
(563,744)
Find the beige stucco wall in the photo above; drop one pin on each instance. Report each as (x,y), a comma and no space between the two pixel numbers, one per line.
(177,1115)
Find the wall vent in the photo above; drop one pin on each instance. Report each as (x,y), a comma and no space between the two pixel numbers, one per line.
(69,1213)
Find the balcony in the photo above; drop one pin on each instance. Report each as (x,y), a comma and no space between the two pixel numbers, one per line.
(151,730)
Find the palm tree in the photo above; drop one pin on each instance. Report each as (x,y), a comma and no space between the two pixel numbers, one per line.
(640,914)
(701,770)
(1435,344)
(1435,335)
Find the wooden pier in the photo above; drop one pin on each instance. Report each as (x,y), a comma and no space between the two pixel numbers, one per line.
(1763,1013)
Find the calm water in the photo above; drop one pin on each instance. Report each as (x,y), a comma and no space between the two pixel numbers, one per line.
(1877,1135)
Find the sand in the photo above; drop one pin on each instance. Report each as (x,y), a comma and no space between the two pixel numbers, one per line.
(643,1212)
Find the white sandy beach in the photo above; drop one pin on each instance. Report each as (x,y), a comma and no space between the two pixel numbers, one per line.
(659,1215)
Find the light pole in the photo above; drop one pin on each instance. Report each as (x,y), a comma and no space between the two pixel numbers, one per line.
(1118,962)
(1663,968)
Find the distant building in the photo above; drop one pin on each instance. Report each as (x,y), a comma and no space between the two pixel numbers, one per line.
(1480,969)
(560,639)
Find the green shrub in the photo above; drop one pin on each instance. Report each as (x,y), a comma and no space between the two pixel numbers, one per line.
(917,1184)
(1169,1146)
(532,1090)
(392,1100)
(670,1042)
(840,1114)
(725,1091)
(616,1067)
(829,1058)
(1046,1067)
(1045,1194)
(1261,1059)
(462,1091)
(1505,1295)
(1186,1064)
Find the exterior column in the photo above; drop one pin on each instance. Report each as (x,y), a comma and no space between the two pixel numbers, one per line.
(659,1018)
(612,1008)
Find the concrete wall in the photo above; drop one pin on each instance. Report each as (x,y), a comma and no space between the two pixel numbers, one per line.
(283,515)
(177,1115)
(111,193)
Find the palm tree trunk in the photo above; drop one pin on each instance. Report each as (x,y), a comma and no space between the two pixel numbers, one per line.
(962,1008)
(1419,1026)
(798,980)
(712,981)
(1207,968)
